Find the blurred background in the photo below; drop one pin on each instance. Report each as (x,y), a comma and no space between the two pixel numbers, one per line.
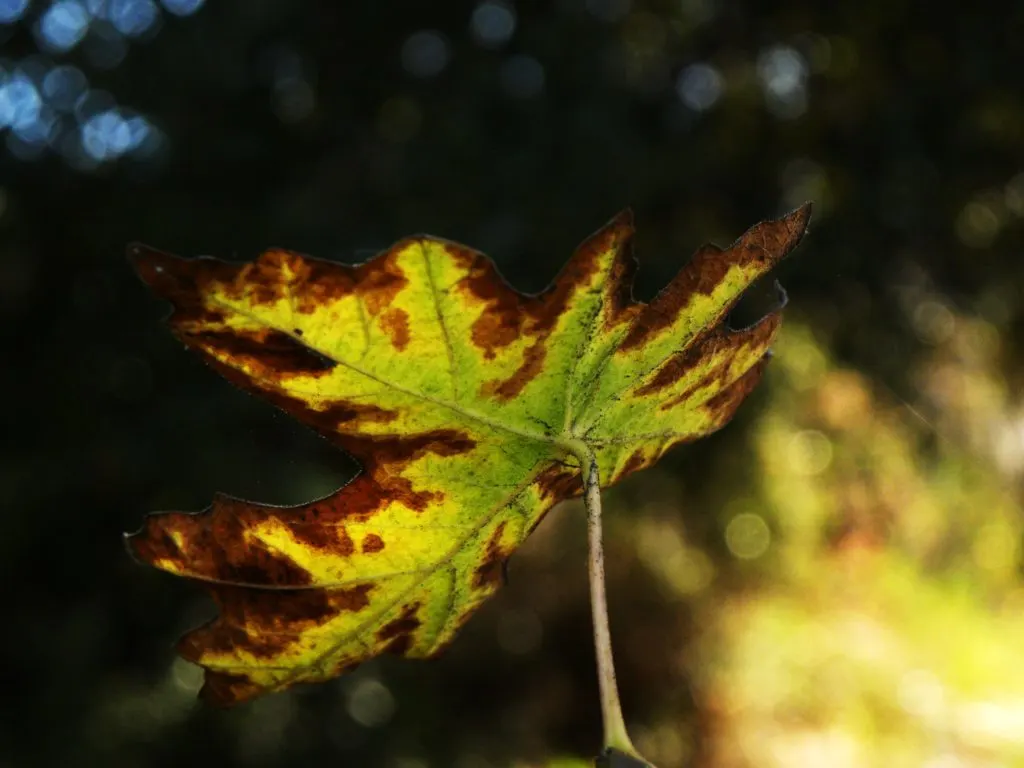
(833,580)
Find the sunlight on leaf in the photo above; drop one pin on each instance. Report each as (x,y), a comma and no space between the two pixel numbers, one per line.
(467,404)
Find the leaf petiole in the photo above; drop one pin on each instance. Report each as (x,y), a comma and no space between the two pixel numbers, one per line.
(615,736)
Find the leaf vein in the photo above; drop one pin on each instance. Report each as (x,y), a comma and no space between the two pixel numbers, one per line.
(436,298)
(454,407)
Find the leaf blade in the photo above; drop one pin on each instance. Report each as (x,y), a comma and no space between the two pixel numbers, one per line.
(459,397)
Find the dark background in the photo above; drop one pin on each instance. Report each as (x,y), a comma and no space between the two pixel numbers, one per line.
(335,128)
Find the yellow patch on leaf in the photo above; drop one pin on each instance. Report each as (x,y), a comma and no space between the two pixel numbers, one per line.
(465,401)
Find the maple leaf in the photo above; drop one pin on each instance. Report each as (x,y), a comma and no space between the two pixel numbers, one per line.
(470,406)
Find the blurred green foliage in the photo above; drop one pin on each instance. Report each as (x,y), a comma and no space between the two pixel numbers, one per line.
(832,580)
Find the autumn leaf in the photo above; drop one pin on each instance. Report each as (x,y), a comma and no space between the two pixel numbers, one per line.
(470,407)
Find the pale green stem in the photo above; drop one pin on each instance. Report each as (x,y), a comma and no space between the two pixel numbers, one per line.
(615,736)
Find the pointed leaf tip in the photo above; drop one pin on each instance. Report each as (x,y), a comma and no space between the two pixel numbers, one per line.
(624,219)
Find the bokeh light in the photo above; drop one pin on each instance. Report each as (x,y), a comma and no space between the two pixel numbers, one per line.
(63,86)
(522,76)
(12,10)
(109,135)
(425,54)
(783,73)
(182,7)
(63,25)
(47,107)
(493,23)
(20,102)
(370,703)
(977,224)
(699,86)
(747,536)
(133,17)
(62,113)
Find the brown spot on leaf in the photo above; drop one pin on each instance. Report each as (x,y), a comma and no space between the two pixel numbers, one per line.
(400,645)
(621,306)
(679,365)
(488,572)
(316,532)
(218,637)
(264,568)
(400,450)
(266,623)
(182,282)
(715,380)
(321,524)
(305,282)
(673,369)
(361,499)
(407,623)
(529,369)
(616,235)
(722,406)
(353,599)
(344,666)
(372,543)
(722,345)
(223,689)
(371,450)
(348,414)
(266,280)
(380,280)
(502,308)
(577,273)
(636,461)
(495,329)
(559,482)
(319,282)
(395,323)
(215,545)
(277,353)
(507,315)
(278,611)
(704,273)
(400,489)
(765,243)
